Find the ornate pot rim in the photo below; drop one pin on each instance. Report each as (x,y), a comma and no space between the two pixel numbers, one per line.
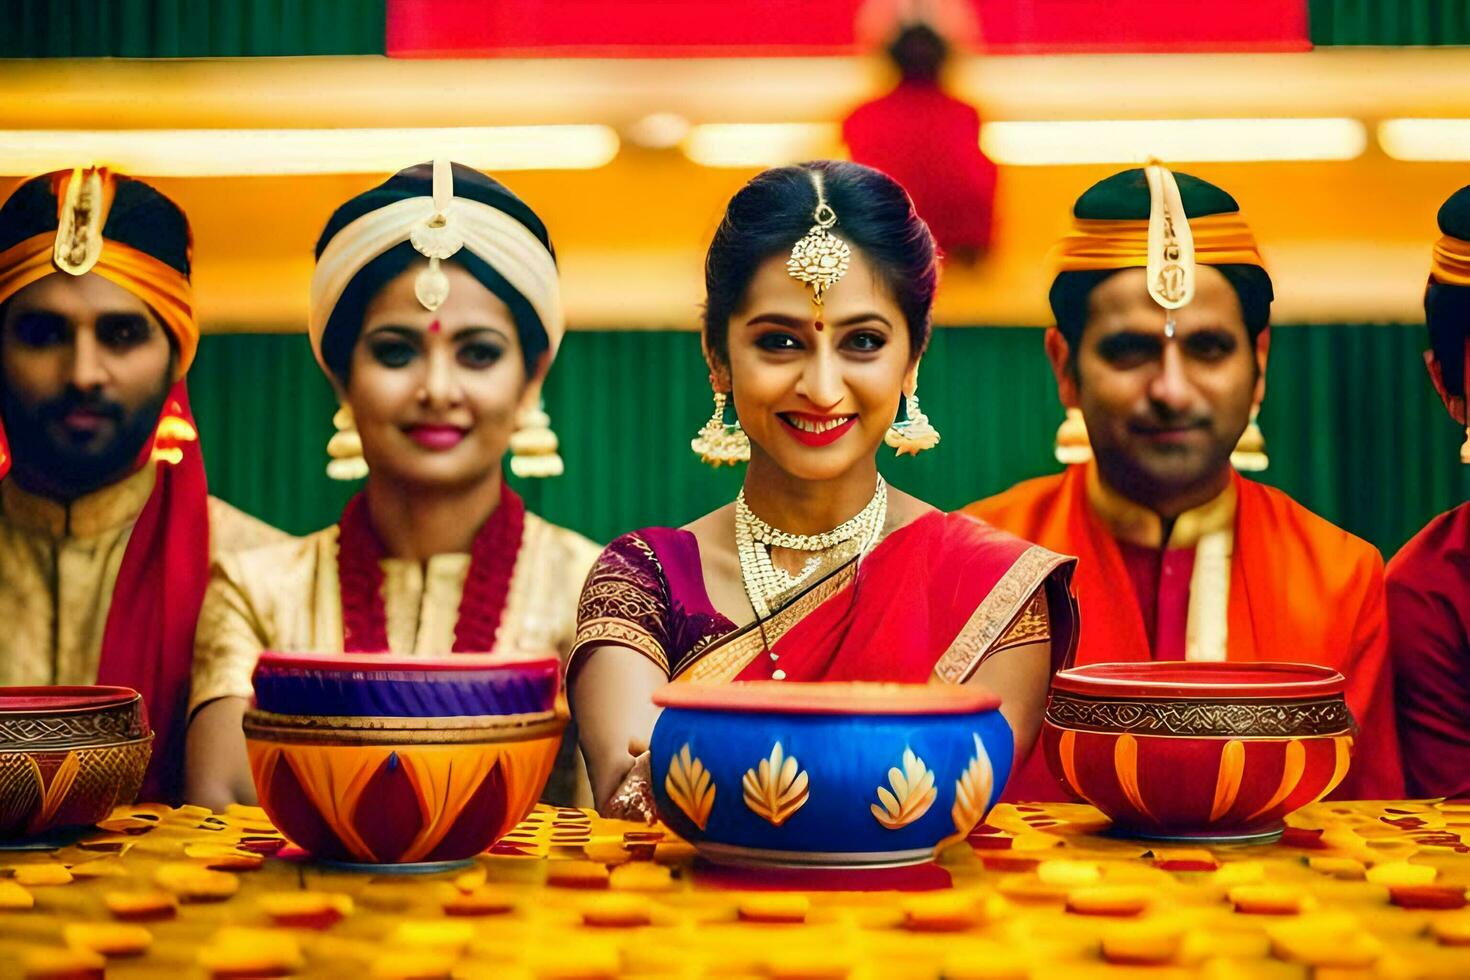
(1196,680)
(356,730)
(59,700)
(383,663)
(57,719)
(1201,718)
(828,698)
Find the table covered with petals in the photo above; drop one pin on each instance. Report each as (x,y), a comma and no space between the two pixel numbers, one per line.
(1352,889)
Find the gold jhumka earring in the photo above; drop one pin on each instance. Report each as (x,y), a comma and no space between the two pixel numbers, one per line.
(345,448)
(533,446)
(1072,444)
(1249,455)
(722,441)
(911,433)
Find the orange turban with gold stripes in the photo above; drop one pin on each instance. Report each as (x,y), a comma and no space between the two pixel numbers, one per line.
(91,220)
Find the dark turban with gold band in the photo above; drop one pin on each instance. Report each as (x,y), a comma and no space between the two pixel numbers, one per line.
(91,221)
(1447,299)
(442,212)
(1165,222)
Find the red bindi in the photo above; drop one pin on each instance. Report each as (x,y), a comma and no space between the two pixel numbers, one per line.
(819,325)
(434,327)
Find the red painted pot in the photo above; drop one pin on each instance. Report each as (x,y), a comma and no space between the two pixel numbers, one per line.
(68,755)
(1198,751)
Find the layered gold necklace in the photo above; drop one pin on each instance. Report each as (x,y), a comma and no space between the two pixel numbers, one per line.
(754,539)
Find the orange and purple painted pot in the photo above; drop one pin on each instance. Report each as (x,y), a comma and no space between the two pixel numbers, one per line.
(68,755)
(402,763)
(1198,751)
(424,793)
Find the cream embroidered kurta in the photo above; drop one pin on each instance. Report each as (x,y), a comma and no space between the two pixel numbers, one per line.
(287,597)
(59,563)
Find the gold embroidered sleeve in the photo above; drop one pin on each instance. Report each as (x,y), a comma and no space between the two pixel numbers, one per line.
(624,603)
(228,640)
(1032,626)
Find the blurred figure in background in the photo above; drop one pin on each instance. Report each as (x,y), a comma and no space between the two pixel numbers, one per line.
(106,526)
(1429,579)
(929,141)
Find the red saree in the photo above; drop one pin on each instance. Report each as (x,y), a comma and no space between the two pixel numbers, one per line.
(931,602)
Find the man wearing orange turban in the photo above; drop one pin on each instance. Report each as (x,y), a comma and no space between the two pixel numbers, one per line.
(106,527)
(1162,306)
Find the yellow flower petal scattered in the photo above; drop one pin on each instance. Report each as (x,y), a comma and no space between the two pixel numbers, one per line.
(107,938)
(32,875)
(14,897)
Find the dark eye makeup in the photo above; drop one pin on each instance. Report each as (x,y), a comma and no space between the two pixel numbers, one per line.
(391,350)
(122,331)
(778,340)
(480,353)
(1210,344)
(39,329)
(1127,349)
(866,341)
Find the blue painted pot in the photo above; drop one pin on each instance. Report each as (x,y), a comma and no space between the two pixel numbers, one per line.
(826,775)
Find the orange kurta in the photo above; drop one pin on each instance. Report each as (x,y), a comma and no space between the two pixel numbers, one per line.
(1301,589)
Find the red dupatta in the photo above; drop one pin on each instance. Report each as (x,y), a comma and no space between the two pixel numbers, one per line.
(926,604)
(148,640)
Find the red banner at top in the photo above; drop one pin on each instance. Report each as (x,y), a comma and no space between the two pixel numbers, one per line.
(742,28)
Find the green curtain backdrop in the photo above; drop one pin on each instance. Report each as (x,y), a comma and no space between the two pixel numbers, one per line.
(1352,426)
(1389,22)
(190,28)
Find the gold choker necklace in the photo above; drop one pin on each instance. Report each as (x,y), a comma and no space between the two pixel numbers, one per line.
(754,539)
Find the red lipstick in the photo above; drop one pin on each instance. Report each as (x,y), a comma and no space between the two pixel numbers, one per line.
(436,437)
(816,430)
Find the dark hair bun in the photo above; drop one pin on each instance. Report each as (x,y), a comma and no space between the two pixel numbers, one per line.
(874,216)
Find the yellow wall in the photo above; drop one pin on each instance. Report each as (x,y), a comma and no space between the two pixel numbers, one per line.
(1347,241)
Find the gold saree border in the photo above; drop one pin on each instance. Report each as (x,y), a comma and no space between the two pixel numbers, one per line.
(1006,602)
(611,631)
(622,627)
(723,660)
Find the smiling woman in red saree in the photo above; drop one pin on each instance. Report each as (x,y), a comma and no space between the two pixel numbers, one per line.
(935,599)
(819,571)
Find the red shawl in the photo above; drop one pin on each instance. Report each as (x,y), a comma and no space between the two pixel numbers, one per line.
(148,642)
(1301,589)
(1429,635)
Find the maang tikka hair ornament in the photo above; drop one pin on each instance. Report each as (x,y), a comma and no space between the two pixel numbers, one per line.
(436,239)
(819,258)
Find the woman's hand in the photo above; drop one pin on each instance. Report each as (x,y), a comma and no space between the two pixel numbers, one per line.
(611,691)
(216,769)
